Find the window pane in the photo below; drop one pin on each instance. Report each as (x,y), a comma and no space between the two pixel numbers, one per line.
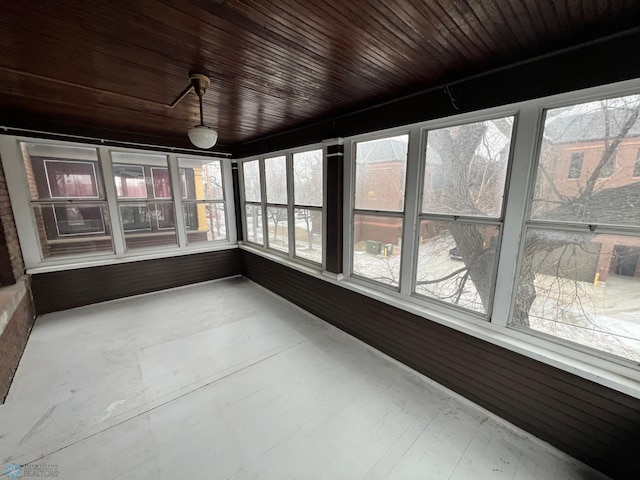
(308,232)
(466,168)
(376,248)
(135,217)
(130,181)
(141,175)
(253,214)
(275,170)
(148,225)
(307,178)
(201,179)
(251,173)
(457,263)
(278,228)
(603,190)
(583,287)
(205,222)
(380,173)
(55,171)
(161,183)
(73,228)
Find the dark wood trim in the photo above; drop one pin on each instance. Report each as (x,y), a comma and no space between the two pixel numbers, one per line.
(593,423)
(609,60)
(334,208)
(84,286)
(235,176)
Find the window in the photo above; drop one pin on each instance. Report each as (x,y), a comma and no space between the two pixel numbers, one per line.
(607,169)
(275,170)
(90,203)
(253,205)
(378,217)
(307,202)
(292,201)
(67,200)
(575,167)
(460,218)
(579,265)
(203,206)
(146,211)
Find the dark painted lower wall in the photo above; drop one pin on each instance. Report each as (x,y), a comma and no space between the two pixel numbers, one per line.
(13,340)
(593,423)
(74,288)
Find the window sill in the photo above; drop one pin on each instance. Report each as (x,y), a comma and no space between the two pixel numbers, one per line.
(308,268)
(63,264)
(622,378)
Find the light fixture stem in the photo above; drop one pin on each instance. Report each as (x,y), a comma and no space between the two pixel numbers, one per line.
(201,118)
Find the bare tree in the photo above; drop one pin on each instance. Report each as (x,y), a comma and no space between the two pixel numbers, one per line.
(307,172)
(468,187)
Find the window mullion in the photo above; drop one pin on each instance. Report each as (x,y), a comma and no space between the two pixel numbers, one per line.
(229,201)
(117,232)
(524,150)
(349,190)
(174,176)
(291,221)
(411,201)
(263,203)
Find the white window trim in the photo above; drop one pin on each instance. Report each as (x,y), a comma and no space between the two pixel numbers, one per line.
(615,372)
(19,194)
(290,206)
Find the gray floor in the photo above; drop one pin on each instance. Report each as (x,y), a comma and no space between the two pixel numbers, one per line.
(225,380)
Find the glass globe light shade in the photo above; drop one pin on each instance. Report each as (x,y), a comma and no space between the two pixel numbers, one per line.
(203,137)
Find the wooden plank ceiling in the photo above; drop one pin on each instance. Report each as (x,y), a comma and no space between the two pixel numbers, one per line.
(112,68)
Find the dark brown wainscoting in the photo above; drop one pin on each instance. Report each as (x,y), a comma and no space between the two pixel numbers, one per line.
(73,288)
(593,423)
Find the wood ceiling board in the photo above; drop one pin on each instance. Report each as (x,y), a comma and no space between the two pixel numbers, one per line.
(275,65)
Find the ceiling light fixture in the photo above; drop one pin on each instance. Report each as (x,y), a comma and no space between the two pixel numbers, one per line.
(201,135)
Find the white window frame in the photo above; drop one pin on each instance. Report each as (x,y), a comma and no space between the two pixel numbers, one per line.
(350,151)
(227,193)
(287,257)
(18,186)
(301,206)
(595,365)
(95,178)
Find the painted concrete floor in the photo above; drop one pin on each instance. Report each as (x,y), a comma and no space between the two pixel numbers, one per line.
(224,380)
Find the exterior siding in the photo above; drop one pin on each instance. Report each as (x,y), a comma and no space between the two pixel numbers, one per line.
(595,424)
(74,288)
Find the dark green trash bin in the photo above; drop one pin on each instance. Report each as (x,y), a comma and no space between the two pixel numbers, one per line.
(374,247)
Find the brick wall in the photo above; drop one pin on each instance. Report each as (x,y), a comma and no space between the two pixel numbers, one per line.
(16,304)
(13,340)
(11,265)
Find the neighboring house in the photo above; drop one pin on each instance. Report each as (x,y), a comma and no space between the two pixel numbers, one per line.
(572,148)
(72,216)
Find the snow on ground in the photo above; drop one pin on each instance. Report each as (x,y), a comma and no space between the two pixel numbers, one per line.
(604,316)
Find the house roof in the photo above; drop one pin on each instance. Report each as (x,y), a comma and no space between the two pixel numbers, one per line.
(592,124)
(382,151)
